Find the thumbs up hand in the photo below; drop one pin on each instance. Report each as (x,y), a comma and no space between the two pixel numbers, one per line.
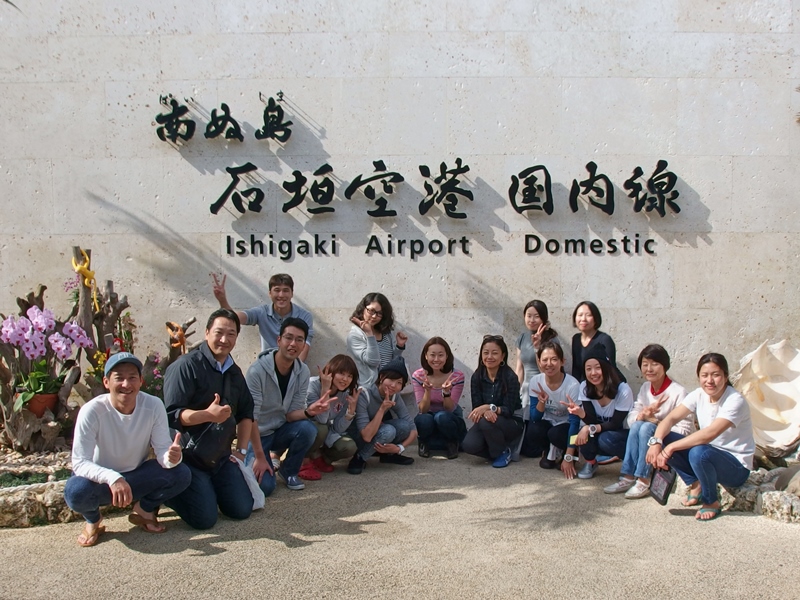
(175,453)
(217,412)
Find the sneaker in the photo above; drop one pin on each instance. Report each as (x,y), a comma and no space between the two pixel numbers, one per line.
(623,485)
(588,470)
(452,450)
(546,463)
(396,459)
(293,482)
(502,460)
(356,465)
(555,453)
(424,450)
(606,460)
(320,465)
(640,490)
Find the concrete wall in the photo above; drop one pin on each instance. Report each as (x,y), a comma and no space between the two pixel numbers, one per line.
(709,87)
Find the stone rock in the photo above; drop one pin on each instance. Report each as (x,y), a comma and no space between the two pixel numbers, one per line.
(780,506)
(38,504)
(794,485)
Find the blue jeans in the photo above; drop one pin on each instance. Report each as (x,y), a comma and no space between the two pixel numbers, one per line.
(709,466)
(636,451)
(225,486)
(297,437)
(441,427)
(391,431)
(610,443)
(151,484)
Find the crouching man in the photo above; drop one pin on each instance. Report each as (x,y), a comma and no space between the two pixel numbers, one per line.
(113,436)
(278,381)
(207,399)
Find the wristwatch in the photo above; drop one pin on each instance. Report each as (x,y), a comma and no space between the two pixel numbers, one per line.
(402,448)
(493,408)
(570,458)
(654,440)
(592,430)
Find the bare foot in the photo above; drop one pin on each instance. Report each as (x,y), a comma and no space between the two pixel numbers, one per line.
(708,512)
(91,534)
(147,521)
(693,496)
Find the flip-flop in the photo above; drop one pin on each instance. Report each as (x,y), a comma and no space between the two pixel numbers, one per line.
(146,524)
(692,499)
(704,511)
(90,540)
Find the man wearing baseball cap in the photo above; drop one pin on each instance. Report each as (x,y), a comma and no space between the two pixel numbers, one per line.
(113,436)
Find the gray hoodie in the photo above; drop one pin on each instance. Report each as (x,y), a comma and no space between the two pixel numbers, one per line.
(269,407)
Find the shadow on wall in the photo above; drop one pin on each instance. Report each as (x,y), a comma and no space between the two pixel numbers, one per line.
(240,284)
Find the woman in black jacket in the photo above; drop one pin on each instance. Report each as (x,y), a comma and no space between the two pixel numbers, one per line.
(495,400)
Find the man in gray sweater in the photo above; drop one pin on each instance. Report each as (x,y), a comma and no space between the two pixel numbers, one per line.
(278,382)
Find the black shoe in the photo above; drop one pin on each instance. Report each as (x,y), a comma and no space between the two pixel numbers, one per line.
(396,459)
(356,465)
(424,451)
(452,450)
(546,463)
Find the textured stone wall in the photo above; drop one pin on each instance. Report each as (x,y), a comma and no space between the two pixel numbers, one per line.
(504,85)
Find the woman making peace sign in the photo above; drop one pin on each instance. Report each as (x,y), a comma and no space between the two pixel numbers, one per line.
(437,387)
(549,418)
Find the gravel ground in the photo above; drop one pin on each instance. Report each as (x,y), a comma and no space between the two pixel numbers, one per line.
(436,529)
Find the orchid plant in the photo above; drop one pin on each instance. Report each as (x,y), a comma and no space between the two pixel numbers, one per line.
(43,355)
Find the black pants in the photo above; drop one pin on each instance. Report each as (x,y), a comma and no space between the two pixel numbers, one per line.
(540,434)
(490,440)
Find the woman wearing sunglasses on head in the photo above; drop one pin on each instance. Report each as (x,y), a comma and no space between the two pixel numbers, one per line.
(372,342)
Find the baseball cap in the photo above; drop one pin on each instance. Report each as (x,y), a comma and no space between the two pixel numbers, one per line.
(120,358)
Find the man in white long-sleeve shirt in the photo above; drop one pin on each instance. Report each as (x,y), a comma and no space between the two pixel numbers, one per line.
(113,436)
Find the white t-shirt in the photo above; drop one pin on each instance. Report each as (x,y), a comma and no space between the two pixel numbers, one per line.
(554,411)
(108,443)
(737,440)
(622,402)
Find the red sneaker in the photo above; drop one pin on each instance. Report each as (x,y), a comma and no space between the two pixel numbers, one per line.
(320,465)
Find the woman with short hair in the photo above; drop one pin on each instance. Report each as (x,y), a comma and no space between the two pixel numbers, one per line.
(657,397)
(548,393)
(382,422)
(587,319)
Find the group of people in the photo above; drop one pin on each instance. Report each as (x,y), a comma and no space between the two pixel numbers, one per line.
(235,435)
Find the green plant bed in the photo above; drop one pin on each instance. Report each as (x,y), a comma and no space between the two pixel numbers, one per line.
(12,479)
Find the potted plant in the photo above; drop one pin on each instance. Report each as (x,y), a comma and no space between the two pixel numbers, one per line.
(39,356)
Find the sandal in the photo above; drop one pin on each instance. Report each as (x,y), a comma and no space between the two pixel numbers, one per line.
(692,499)
(90,539)
(714,512)
(146,525)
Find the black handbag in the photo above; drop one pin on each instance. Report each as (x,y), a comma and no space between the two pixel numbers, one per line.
(213,444)
(662,484)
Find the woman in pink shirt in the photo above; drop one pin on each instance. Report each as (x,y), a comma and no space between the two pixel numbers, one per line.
(438,387)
